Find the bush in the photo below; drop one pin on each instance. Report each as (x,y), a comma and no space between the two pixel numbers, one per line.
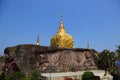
(35,75)
(26,78)
(8,78)
(88,75)
(14,76)
(17,75)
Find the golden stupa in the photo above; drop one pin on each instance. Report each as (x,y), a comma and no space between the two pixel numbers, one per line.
(62,39)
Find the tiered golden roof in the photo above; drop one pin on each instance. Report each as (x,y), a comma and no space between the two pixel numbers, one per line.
(62,39)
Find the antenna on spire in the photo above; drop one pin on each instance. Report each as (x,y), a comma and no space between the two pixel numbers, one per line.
(61,18)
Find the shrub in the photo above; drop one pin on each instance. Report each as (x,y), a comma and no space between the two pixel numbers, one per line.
(17,75)
(14,76)
(88,75)
(35,75)
(28,78)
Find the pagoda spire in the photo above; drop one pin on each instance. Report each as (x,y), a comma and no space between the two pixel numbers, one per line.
(61,27)
(38,41)
(88,45)
(61,22)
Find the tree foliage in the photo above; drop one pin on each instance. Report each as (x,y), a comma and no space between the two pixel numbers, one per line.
(106,58)
(117,53)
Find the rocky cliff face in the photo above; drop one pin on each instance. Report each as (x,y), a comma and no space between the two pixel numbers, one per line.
(1,63)
(51,59)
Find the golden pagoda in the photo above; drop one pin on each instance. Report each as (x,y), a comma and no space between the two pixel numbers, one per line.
(62,39)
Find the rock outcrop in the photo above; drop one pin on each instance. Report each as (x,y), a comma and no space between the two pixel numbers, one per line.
(30,57)
(1,63)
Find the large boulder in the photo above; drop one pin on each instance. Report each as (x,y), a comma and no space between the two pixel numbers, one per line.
(30,57)
(1,63)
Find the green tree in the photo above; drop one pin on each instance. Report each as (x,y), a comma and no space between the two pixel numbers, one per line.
(117,53)
(106,57)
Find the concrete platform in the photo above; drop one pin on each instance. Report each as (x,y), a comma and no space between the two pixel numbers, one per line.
(62,75)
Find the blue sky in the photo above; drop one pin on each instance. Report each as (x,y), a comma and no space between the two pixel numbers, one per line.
(93,21)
